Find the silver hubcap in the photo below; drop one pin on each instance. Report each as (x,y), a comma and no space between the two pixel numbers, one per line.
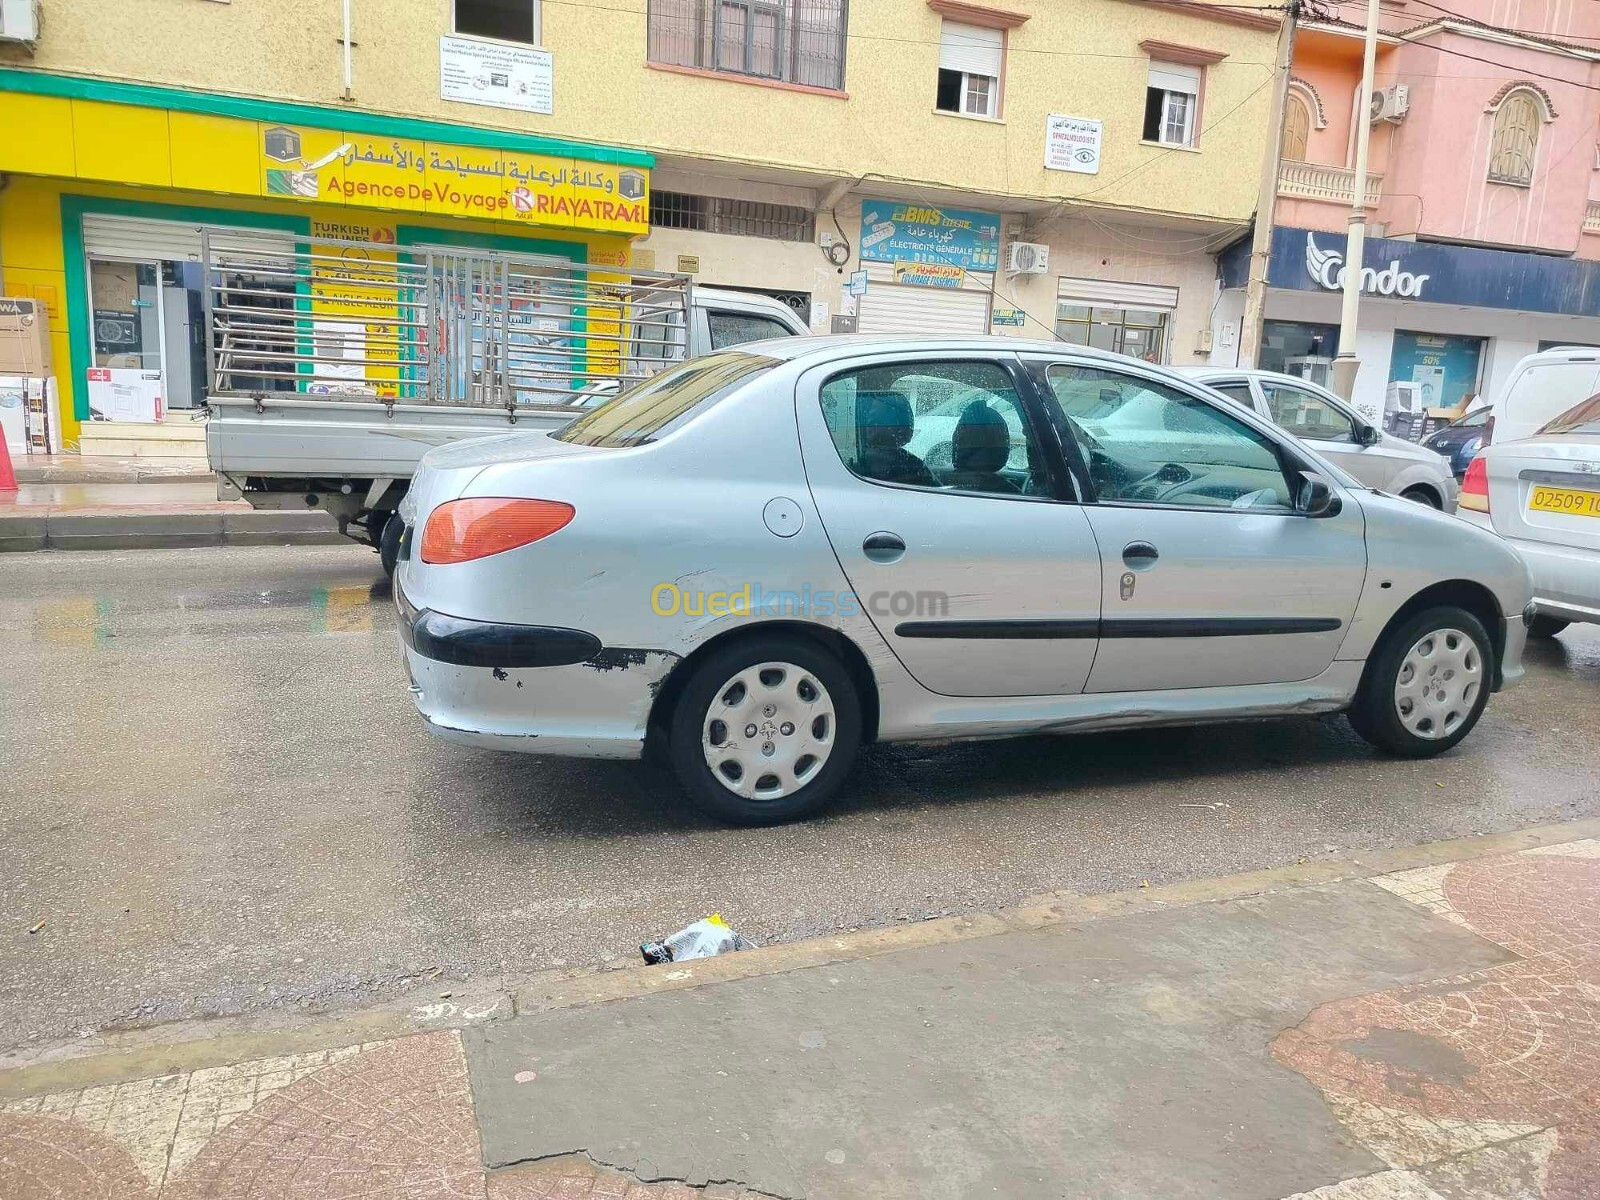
(768,731)
(1438,683)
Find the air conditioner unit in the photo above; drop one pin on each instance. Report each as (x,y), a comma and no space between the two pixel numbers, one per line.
(19,21)
(1391,103)
(1027,258)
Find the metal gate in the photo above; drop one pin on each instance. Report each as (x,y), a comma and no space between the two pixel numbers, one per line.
(429,324)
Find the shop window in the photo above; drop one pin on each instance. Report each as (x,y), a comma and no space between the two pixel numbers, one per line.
(1296,127)
(719,214)
(1298,348)
(1172,104)
(1137,332)
(1515,139)
(970,58)
(503,20)
(790,41)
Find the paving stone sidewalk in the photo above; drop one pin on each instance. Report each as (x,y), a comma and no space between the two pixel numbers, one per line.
(1474,1075)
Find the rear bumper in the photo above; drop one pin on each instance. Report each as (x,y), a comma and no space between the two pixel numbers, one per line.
(1566,580)
(525,688)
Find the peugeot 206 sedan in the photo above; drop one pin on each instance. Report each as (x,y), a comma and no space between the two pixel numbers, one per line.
(762,559)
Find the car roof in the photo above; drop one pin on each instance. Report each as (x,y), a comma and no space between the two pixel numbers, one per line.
(1208,371)
(830,347)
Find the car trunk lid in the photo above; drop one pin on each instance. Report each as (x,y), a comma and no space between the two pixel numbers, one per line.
(1547,489)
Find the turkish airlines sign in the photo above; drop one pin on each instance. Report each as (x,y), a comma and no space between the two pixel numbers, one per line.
(1326,268)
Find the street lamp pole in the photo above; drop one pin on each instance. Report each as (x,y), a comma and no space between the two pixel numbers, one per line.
(1346,364)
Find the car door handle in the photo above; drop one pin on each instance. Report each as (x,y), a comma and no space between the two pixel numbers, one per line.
(883,547)
(1140,555)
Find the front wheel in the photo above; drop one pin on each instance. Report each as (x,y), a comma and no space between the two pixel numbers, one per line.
(1421,495)
(765,730)
(1546,627)
(1426,684)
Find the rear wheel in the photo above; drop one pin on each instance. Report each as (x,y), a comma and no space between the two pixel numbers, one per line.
(1546,627)
(765,730)
(1426,684)
(1422,495)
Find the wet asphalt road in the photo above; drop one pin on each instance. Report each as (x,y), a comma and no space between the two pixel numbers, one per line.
(216,796)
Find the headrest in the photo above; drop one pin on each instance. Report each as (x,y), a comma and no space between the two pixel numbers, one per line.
(883,418)
(982,441)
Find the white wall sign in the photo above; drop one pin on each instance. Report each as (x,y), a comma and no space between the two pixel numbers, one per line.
(1072,144)
(496,74)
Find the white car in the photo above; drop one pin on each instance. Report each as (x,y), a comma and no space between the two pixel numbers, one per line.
(1332,428)
(1542,494)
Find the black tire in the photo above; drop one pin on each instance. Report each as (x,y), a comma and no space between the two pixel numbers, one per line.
(711,677)
(1375,715)
(389,543)
(1546,627)
(1422,495)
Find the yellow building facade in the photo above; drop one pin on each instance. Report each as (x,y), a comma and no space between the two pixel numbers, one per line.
(875,163)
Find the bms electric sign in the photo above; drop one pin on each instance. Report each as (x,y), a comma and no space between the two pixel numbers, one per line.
(1327,270)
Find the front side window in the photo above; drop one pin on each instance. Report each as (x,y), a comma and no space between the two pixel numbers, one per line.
(734,329)
(969,69)
(1306,414)
(661,405)
(791,41)
(1515,140)
(1172,104)
(954,426)
(1149,443)
(503,20)
(1136,332)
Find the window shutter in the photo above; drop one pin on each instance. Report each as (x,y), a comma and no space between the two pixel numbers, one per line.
(970,48)
(1175,77)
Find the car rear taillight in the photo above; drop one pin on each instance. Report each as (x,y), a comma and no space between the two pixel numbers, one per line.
(462,530)
(1475,487)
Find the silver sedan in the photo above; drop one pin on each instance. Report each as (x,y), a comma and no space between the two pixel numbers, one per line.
(765,558)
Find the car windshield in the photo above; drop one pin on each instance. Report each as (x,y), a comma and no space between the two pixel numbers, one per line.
(1472,420)
(669,401)
(1580,418)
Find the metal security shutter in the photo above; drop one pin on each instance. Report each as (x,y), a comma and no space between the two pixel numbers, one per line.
(1109,293)
(970,48)
(145,240)
(899,308)
(1175,77)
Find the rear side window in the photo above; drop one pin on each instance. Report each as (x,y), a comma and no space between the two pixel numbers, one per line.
(1582,418)
(668,402)
(1236,390)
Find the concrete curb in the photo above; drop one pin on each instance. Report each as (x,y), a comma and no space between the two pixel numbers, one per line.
(76,474)
(135,529)
(220,1041)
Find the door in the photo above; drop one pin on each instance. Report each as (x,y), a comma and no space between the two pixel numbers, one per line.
(1210,577)
(1325,425)
(127,380)
(937,487)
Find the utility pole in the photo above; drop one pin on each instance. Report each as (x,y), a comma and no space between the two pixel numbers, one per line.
(1255,296)
(1346,363)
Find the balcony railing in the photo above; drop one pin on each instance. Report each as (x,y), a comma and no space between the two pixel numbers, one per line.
(1312,181)
(1591,217)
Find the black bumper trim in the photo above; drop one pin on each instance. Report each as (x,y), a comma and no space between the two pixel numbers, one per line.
(465,643)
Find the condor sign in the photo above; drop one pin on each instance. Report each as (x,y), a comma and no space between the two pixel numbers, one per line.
(1327,268)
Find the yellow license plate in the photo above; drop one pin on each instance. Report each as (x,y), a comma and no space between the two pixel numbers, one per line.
(1564,500)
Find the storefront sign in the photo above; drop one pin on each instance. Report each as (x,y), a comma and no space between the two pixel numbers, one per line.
(1008,316)
(1326,267)
(857,284)
(1306,260)
(496,74)
(1072,144)
(893,232)
(304,163)
(938,275)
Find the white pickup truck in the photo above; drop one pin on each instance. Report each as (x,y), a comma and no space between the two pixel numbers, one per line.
(335,366)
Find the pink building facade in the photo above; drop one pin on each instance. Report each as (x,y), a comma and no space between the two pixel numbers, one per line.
(1483,192)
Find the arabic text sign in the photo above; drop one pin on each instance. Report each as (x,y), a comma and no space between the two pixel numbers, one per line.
(496,75)
(911,233)
(939,275)
(449,180)
(1072,144)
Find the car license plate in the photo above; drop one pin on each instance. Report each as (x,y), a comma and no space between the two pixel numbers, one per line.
(1564,500)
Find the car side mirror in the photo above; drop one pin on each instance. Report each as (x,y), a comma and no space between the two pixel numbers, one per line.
(1368,435)
(1315,497)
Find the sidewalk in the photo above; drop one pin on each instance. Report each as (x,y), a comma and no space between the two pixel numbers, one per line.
(102,468)
(1428,1032)
(138,512)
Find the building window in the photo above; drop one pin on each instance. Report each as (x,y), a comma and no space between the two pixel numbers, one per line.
(969,69)
(503,20)
(718,214)
(1139,332)
(1172,104)
(1298,348)
(1516,137)
(1296,127)
(790,41)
